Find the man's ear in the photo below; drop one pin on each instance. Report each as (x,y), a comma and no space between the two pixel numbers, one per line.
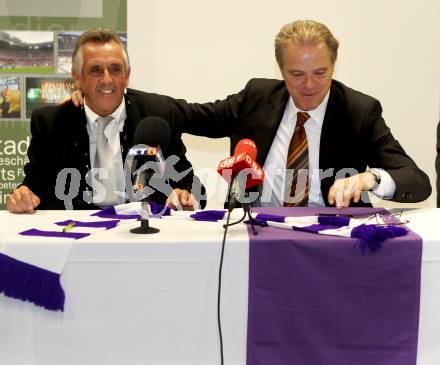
(127,76)
(76,80)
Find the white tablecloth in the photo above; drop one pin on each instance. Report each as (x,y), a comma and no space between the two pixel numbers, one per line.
(135,299)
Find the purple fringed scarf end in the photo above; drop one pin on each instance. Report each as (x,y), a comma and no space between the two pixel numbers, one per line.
(26,282)
(372,236)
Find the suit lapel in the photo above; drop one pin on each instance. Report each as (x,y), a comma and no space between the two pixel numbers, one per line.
(72,135)
(329,142)
(331,149)
(271,115)
(82,134)
(131,120)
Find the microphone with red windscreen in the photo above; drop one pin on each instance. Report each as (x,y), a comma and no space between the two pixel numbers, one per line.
(241,170)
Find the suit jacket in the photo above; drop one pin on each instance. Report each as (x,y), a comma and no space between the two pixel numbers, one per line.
(354,134)
(60,140)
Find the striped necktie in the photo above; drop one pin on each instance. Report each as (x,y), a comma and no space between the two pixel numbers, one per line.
(297,167)
(104,160)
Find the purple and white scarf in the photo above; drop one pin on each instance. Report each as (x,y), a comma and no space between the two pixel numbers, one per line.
(31,262)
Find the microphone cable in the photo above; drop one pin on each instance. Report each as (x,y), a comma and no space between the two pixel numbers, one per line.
(220,270)
(252,221)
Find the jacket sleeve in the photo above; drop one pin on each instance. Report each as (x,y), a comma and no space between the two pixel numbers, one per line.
(412,184)
(182,174)
(39,177)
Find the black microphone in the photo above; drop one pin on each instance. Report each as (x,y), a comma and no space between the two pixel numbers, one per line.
(151,137)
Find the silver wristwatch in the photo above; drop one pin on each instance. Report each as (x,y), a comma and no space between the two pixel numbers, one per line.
(377,178)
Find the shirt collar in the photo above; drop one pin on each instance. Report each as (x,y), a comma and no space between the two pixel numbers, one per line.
(316,114)
(119,114)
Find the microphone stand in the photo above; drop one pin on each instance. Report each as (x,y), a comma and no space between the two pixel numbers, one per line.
(247,212)
(145,226)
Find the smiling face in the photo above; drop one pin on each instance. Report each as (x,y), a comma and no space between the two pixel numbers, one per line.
(103,76)
(307,71)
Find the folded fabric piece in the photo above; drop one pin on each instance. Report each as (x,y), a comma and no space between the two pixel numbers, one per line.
(61,234)
(371,233)
(132,211)
(217,215)
(208,215)
(108,224)
(262,218)
(32,261)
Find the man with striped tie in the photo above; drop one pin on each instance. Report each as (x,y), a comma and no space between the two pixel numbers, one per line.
(321,143)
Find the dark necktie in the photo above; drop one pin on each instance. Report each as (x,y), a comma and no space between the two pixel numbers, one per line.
(297,166)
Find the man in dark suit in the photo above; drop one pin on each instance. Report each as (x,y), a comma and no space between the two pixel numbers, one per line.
(65,137)
(346,133)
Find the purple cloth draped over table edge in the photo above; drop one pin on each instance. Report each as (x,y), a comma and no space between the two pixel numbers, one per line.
(27,282)
(317,299)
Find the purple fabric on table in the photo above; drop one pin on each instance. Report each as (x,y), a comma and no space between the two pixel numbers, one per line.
(314,299)
(209,215)
(39,232)
(110,212)
(325,220)
(314,228)
(372,236)
(97,224)
(262,218)
(29,283)
(159,209)
(334,221)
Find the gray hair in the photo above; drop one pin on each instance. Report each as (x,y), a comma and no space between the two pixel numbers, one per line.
(97,35)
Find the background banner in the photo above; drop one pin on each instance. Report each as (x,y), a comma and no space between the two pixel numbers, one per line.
(36,44)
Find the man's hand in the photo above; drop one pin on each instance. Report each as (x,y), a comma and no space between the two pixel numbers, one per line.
(182,200)
(76,97)
(344,190)
(22,200)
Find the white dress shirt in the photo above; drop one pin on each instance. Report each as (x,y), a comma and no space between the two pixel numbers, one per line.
(112,131)
(275,164)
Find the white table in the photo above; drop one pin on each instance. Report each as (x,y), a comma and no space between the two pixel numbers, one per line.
(134,299)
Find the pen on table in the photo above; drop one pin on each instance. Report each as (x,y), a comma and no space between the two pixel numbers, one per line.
(69,227)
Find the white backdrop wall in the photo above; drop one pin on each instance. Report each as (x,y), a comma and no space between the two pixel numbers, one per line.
(202,50)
